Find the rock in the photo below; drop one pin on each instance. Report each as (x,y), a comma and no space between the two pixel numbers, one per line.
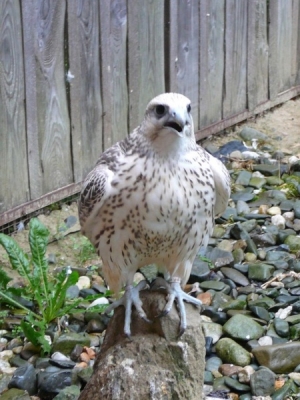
(67,341)
(274,210)
(242,207)
(295,332)
(52,380)
(214,285)
(84,282)
(243,178)
(238,256)
(244,195)
(265,341)
(229,369)
(200,270)
(257,182)
(243,328)
(220,257)
(267,169)
(213,364)
(6,355)
(281,327)
(231,352)
(293,242)
(235,276)
(262,382)
(245,374)
(282,313)
(213,330)
(15,394)
(152,362)
(281,358)
(24,378)
(279,221)
(69,393)
(250,257)
(225,245)
(236,385)
(260,272)
(248,134)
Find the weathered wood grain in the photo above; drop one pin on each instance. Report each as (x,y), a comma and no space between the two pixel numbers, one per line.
(281,68)
(212,20)
(183,68)
(145,55)
(295,45)
(48,124)
(13,153)
(235,84)
(257,58)
(113,33)
(85,87)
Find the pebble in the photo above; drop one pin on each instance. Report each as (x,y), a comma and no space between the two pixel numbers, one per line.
(231,352)
(83,282)
(262,382)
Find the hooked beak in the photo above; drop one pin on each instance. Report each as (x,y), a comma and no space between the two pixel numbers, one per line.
(176,123)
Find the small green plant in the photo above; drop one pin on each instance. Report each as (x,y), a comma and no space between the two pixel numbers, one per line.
(47,294)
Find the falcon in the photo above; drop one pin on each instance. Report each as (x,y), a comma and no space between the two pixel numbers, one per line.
(152,199)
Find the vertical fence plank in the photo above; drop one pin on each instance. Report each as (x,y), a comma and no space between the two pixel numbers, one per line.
(212,19)
(257,58)
(43,25)
(184,51)
(146,55)
(85,88)
(113,32)
(281,69)
(13,154)
(295,50)
(235,87)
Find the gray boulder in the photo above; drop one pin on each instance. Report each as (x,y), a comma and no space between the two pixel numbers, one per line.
(154,363)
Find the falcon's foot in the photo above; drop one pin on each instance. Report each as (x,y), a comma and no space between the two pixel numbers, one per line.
(175,293)
(130,298)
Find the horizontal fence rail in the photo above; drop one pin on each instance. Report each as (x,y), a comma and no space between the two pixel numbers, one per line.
(76,76)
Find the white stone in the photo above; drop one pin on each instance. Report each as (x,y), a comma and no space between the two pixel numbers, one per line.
(245,374)
(138,277)
(250,155)
(257,174)
(274,211)
(99,301)
(84,282)
(4,364)
(9,370)
(295,376)
(289,215)
(58,356)
(279,221)
(265,341)
(282,313)
(236,154)
(6,355)
(293,160)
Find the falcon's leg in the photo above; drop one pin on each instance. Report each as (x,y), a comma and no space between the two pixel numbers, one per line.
(175,293)
(130,298)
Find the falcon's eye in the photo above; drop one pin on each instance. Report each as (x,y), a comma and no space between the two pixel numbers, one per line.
(188,107)
(160,110)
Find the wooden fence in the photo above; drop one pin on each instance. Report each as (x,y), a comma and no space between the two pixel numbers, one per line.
(76,75)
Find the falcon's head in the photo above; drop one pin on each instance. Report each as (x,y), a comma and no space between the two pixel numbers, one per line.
(168,120)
